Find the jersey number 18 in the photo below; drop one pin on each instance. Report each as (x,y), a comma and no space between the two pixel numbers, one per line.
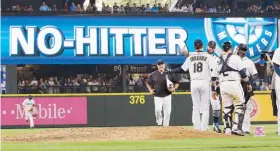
(198,67)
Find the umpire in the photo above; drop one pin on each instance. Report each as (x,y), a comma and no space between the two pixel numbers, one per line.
(161,85)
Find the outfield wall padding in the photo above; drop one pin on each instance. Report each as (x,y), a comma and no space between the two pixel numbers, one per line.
(99,110)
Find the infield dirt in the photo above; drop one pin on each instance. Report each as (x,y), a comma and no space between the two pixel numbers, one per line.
(111,134)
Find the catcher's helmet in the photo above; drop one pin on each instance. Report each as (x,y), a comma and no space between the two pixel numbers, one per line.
(226,46)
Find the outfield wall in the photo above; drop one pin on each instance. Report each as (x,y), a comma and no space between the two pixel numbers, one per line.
(119,109)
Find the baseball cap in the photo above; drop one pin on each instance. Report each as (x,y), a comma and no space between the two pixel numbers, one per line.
(243,47)
(212,44)
(159,62)
(198,43)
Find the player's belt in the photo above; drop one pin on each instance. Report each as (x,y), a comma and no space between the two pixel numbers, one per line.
(201,80)
(228,80)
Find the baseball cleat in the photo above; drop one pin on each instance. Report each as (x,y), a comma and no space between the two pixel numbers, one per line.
(227,131)
(238,133)
(247,132)
(217,129)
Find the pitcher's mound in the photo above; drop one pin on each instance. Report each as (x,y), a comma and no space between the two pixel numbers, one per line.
(113,134)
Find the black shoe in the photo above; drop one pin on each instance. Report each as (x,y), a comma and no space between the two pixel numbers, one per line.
(238,133)
(217,129)
(247,133)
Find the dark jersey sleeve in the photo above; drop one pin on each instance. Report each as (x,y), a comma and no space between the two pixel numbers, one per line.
(150,80)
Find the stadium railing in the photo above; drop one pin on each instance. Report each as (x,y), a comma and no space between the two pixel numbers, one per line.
(146,14)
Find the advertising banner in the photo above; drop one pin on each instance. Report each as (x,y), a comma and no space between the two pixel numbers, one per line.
(125,40)
(52,111)
(261,108)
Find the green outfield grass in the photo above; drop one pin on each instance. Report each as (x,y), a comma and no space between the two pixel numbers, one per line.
(271,142)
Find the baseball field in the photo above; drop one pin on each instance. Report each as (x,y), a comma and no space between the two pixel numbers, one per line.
(134,138)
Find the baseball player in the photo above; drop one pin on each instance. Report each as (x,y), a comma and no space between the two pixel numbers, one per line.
(216,105)
(230,71)
(28,106)
(162,87)
(252,73)
(276,65)
(199,66)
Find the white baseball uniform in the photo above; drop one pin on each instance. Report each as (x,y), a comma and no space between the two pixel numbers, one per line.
(230,86)
(27,103)
(250,70)
(276,60)
(199,66)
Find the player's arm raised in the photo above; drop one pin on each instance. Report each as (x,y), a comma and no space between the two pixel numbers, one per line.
(181,69)
(184,51)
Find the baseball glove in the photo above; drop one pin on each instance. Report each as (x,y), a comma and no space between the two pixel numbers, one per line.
(28,109)
(34,112)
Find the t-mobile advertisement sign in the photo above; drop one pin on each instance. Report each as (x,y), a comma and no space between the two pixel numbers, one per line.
(51,110)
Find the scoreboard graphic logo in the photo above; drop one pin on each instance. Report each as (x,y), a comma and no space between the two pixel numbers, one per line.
(259,34)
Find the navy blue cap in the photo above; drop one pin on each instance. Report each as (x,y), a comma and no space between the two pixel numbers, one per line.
(212,44)
(159,62)
(198,43)
(243,47)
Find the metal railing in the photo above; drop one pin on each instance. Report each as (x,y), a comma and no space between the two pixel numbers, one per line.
(68,89)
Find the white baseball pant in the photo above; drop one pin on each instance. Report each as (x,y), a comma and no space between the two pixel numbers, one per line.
(277,90)
(247,118)
(28,116)
(201,102)
(165,104)
(232,94)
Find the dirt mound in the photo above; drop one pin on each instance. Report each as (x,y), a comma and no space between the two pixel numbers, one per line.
(112,134)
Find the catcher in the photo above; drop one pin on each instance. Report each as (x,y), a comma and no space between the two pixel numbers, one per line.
(30,110)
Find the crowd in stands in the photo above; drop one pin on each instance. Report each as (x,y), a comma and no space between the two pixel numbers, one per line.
(202,9)
(102,83)
(78,84)
(77,6)
(81,84)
